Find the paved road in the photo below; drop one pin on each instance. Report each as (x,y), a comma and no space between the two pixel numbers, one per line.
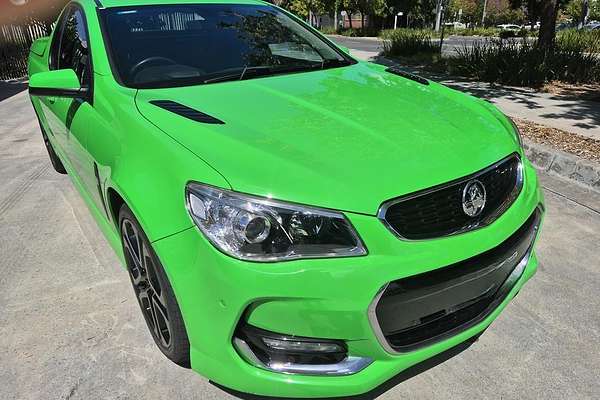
(70,326)
(568,113)
(370,47)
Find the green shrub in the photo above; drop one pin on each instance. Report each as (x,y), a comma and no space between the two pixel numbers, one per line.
(522,63)
(572,39)
(487,32)
(328,30)
(387,33)
(408,42)
(359,32)
(506,34)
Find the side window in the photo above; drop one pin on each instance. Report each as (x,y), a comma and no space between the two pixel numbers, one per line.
(55,44)
(73,51)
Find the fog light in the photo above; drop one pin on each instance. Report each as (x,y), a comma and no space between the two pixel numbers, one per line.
(291,345)
(293,354)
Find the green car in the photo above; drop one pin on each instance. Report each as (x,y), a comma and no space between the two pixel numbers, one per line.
(295,223)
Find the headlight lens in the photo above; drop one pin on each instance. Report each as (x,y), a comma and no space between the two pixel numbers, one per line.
(260,229)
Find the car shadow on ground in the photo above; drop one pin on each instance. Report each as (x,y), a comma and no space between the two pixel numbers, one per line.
(381,389)
(12,87)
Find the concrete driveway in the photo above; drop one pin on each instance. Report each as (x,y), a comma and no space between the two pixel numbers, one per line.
(70,327)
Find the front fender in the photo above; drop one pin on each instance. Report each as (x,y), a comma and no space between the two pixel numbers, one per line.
(145,166)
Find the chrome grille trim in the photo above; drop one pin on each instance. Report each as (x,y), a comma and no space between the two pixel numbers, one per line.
(500,209)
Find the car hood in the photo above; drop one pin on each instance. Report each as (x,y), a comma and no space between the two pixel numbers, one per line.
(344,138)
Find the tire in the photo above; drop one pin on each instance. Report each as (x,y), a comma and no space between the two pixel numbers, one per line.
(153,291)
(56,163)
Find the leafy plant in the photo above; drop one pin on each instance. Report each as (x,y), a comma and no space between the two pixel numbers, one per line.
(584,40)
(523,63)
(408,42)
(359,32)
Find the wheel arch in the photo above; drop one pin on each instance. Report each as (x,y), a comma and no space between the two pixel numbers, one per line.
(115,202)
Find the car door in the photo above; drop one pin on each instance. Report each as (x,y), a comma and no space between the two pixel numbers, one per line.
(73,53)
(70,119)
(47,104)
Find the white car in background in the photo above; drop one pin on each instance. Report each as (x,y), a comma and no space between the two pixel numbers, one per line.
(535,26)
(509,27)
(455,25)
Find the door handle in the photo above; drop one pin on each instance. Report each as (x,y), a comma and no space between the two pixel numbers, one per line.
(51,100)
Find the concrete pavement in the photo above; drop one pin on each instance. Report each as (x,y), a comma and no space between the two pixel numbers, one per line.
(557,111)
(70,327)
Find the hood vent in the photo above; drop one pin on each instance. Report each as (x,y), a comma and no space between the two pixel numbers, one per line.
(407,75)
(186,112)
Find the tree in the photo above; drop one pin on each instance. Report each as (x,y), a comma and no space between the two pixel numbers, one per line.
(470,10)
(548,14)
(534,8)
(574,9)
(502,12)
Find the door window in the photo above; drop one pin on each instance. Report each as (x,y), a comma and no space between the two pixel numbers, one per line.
(73,49)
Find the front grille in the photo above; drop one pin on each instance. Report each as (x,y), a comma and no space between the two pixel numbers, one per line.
(422,309)
(438,211)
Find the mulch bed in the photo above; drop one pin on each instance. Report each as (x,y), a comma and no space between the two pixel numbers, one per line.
(573,143)
(590,92)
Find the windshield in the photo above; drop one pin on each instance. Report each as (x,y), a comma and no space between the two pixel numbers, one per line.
(177,45)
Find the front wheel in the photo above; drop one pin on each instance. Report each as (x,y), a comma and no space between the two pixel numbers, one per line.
(153,291)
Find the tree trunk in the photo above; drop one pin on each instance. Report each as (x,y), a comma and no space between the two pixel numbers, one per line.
(362,20)
(349,14)
(585,10)
(335,16)
(548,13)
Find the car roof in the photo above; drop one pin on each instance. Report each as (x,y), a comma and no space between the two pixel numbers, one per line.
(125,3)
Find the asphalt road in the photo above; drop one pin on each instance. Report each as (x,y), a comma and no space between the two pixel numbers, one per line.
(372,46)
(70,327)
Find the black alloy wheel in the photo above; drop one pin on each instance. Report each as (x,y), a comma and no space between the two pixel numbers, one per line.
(153,291)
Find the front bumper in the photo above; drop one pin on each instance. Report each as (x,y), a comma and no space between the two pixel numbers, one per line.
(326,298)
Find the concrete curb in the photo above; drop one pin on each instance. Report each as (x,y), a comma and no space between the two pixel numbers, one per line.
(566,165)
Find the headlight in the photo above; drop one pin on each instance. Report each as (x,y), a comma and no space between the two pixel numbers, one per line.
(261,229)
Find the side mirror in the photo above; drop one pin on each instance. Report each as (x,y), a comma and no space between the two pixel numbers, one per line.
(56,83)
(344,49)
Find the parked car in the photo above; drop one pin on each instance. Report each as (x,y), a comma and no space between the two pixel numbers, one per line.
(592,26)
(455,25)
(295,223)
(510,27)
(535,27)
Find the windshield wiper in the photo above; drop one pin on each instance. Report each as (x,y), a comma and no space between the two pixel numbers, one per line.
(334,62)
(245,72)
(264,70)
